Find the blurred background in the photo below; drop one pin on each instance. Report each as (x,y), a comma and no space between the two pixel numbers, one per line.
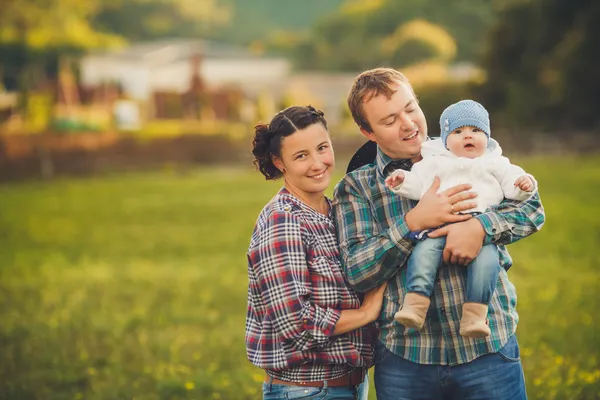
(127,193)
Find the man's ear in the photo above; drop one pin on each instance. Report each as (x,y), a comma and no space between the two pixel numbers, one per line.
(278,163)
(369,135)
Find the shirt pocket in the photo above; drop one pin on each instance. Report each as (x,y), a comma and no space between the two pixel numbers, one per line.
(326,290)
(294,392)
(321,266)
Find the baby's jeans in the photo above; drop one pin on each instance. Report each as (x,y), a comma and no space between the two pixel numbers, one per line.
(482,272)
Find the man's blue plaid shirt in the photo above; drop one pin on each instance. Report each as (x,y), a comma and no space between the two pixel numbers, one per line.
(375,246)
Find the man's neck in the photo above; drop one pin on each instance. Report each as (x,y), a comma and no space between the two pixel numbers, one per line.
(416,158)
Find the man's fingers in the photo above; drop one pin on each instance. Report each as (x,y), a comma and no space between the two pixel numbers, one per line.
(462,196)
(459,218)
(464,206)
(435,185)
(446,255)
(456,189)
(463,261)
(454,259)
(443,231)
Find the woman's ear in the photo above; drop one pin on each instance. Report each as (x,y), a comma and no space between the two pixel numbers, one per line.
(278,163)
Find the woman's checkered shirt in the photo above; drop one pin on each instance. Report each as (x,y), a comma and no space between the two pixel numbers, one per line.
(295,296)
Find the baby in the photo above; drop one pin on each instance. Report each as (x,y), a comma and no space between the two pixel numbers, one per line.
(465,154)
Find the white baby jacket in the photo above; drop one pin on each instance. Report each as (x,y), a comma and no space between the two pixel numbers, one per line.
(492,175)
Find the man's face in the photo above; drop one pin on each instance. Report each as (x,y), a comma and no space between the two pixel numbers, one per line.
(398,123)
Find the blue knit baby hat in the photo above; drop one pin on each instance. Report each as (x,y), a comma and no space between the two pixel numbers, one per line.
(464,113)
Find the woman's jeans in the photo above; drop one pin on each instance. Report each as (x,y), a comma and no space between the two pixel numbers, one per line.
(494,376)
(273,391)
(482,272)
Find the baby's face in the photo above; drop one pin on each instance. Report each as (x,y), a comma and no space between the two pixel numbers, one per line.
(467,141)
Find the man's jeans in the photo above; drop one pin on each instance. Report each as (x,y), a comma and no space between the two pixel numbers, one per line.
(482,273)
(281,392)
(495,376)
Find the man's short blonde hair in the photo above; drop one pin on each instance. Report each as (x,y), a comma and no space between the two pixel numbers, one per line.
(369,84)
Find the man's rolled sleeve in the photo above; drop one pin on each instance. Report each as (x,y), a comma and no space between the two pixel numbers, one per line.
(512,220)
(398,233)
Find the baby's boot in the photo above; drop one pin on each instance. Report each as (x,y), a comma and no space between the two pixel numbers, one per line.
(473,323)
(413,311)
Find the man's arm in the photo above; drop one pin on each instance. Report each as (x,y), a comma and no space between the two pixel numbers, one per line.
(505,223)
(369,256)
(512,220)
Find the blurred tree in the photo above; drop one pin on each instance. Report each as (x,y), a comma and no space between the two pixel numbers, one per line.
(35,34)
(139,20)
(542,62)
(435,43)
(42,24)
(260,19)
(352,36)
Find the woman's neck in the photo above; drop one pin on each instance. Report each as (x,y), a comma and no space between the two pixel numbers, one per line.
(315,200)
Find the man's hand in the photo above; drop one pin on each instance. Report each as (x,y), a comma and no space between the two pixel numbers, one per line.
(463,241)
(395,179)
(524,183)
(435,209)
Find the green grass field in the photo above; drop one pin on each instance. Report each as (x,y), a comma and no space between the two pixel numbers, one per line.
(134,286)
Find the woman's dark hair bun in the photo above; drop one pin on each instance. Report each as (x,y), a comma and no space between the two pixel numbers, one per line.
(316,112)
(261,149)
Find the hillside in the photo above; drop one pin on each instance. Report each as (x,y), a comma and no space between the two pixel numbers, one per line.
(255,19)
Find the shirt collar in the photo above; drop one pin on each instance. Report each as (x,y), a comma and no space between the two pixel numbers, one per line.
(302,205)
(385,163)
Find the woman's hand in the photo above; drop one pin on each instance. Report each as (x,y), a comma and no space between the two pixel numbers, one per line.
(372,302)
(365,314)
(435,209)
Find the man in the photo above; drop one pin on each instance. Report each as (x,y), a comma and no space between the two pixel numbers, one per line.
(376,231)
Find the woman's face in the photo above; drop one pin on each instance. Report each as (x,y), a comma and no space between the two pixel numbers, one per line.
(307,160)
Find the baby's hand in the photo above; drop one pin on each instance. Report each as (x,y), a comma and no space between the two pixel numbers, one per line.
(395,179)
(524,183)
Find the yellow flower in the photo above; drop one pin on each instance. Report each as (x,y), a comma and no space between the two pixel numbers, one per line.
(559,360)
(190,385)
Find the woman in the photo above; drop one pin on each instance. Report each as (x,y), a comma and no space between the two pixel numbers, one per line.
(304,325)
